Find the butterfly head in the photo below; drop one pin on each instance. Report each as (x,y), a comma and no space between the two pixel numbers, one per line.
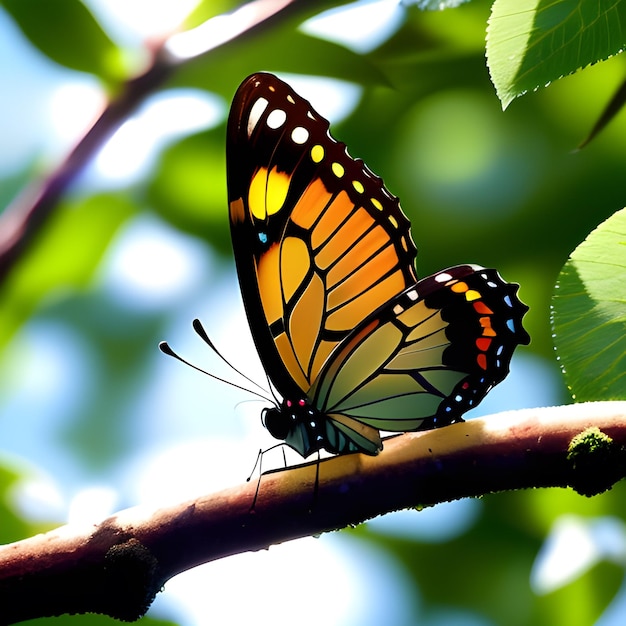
(298,424)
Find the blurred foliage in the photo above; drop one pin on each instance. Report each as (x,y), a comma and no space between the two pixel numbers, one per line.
(502,190)
(486,570)
(67,33)
(82,229)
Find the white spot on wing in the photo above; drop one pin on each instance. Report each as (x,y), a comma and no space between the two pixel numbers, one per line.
(299,135)
(276,118)
(255,113)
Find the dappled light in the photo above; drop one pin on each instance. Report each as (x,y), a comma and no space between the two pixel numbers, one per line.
(94,419)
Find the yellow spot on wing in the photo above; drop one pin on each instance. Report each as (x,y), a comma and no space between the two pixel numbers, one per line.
(472,294)
(267,193)
(338,169)
(317,153)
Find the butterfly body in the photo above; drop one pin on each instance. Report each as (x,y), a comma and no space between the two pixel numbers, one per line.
(306,429)
(348,336)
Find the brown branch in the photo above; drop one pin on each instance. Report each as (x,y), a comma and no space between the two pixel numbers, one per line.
(116,567)
(23,219)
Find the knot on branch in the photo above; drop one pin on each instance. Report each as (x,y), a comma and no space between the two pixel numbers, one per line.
(596,462)
(130,575)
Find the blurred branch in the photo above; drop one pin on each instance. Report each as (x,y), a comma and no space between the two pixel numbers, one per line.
(117,567)
(22,220)
(614,106)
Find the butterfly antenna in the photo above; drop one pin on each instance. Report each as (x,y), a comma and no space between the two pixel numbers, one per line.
(197,326)
(272,391)
(166,349)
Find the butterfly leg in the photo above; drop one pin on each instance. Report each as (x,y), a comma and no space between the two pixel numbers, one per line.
(259,463)
(317,483)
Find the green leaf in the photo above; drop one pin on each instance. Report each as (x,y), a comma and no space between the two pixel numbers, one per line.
(66,32)
(533,42)
(63,258)
(589,314)
(188,188)
(12,527)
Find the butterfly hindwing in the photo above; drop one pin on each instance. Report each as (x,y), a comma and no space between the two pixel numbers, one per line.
(319,242)
(427,356)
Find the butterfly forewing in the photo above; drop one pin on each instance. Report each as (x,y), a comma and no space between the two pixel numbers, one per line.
(319,242)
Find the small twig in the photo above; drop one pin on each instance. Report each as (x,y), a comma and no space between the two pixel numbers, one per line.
(25,216)
(117,567)
(22,220)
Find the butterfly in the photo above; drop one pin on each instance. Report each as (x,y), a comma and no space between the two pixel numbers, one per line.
(350,339)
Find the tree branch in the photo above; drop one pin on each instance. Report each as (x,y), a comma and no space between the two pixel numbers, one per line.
(117,567)
(23,219)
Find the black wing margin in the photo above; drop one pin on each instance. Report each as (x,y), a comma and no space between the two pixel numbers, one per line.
(319,242)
